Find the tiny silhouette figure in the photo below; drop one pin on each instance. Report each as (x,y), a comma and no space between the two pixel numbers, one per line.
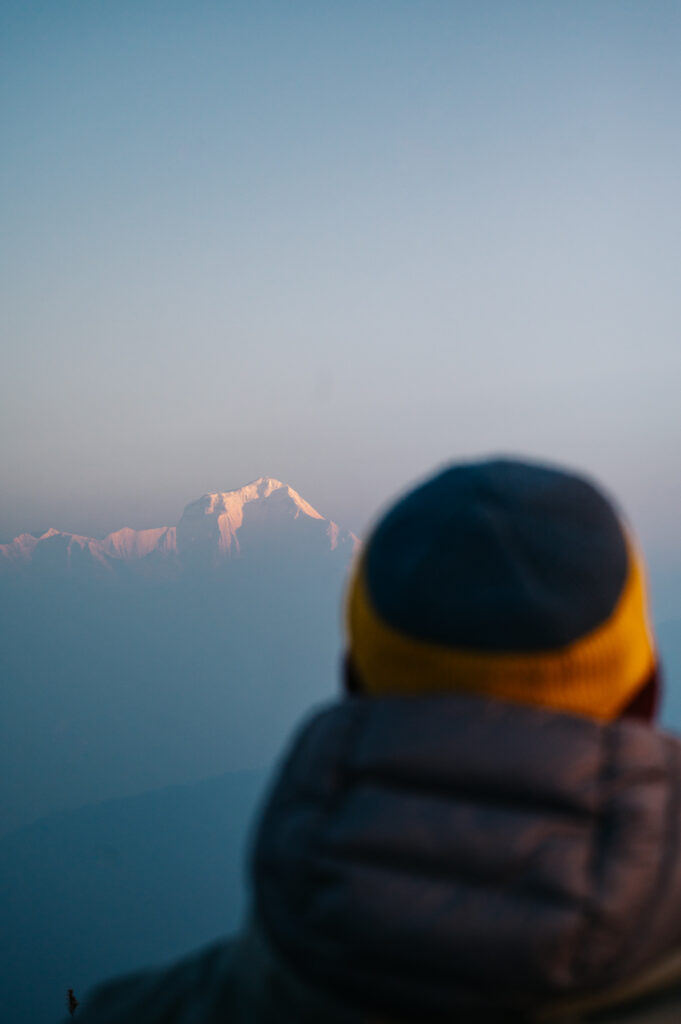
(71,1002)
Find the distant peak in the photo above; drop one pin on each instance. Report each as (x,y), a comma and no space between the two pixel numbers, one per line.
(263,487)
(232,502)
(266,495)
(266,484)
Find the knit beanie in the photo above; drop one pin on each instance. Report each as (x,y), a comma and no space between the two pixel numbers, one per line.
(506,579)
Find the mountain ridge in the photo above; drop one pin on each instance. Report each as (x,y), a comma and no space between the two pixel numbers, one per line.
(211,525)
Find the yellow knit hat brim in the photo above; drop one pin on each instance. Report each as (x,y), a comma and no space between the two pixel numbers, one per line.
(596,675)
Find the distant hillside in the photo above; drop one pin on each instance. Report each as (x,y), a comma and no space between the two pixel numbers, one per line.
(110,888)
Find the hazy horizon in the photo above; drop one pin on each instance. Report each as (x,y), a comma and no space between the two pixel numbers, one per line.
(339,245)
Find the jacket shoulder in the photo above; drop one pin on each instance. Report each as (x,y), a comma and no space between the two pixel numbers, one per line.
(650,997)
(198,988)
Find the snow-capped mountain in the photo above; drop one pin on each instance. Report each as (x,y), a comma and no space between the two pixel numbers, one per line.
(218,526)
(59,549)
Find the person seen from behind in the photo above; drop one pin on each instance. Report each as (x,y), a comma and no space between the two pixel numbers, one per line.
(486,827)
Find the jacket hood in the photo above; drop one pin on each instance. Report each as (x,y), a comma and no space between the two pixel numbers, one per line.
(424,856)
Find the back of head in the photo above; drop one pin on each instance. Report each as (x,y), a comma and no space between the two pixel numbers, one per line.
(507,579)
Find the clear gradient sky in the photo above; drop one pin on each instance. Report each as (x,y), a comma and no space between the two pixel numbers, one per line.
(337,243)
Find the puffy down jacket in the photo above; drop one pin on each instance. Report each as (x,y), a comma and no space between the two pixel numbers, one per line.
(449,859)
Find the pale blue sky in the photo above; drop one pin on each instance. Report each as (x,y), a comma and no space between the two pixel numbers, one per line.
(337,243)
